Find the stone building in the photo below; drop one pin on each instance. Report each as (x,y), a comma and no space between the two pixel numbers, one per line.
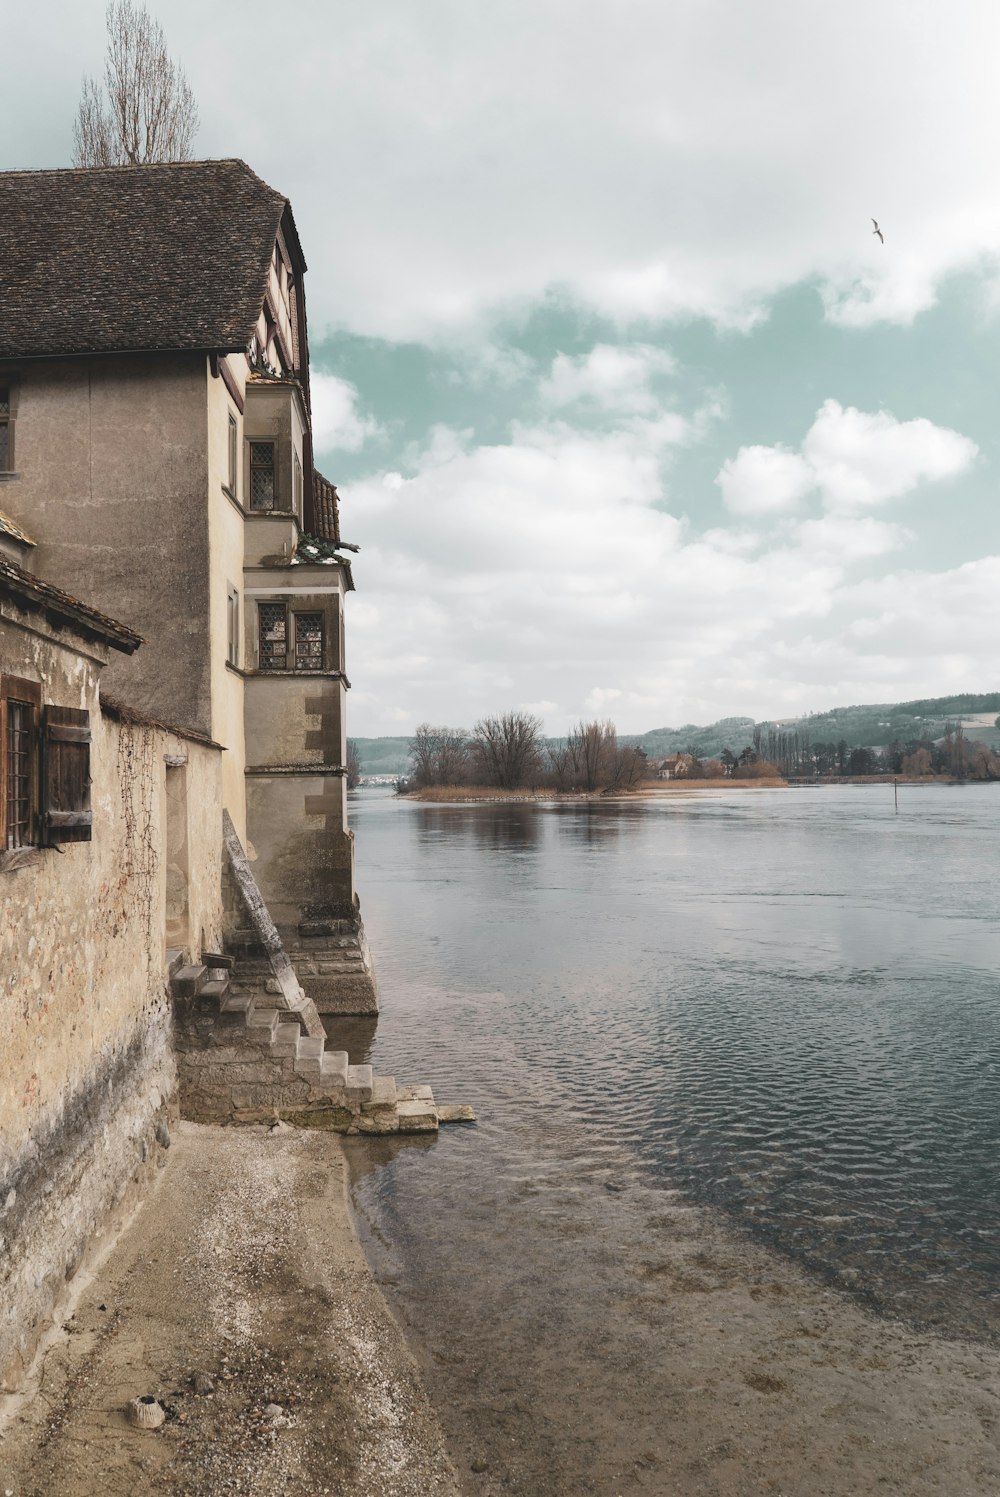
(90,828)
(155,440)
(117,863)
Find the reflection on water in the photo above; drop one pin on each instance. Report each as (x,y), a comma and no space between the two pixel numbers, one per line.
(784,1003)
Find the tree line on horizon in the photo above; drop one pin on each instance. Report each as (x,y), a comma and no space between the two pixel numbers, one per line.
(798,757)
(507,751)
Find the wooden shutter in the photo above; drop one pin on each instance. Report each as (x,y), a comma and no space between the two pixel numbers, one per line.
(66,814)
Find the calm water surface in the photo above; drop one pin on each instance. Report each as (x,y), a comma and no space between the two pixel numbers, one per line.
(784,1004)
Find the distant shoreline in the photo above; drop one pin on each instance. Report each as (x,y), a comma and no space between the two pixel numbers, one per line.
(648,790)
(658,789)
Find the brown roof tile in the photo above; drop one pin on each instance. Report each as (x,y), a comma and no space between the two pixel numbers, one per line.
(32,592)
(326,508)
(104,259)
(8,527)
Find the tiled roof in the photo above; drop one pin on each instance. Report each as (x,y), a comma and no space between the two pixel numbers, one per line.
(172,256)
(32,592)
(326,508)
(7,527)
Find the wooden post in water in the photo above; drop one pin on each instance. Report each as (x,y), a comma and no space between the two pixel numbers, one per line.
(895,793)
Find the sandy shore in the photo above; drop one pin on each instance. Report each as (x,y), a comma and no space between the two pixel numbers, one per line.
(241,1266)
(711,1367)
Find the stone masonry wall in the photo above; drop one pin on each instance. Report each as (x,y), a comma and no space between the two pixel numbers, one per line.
(89,1078)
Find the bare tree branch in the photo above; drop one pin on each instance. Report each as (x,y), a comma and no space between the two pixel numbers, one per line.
(146,110)
(509,749)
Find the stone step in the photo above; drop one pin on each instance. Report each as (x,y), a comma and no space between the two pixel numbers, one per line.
(380,1115)
(262,1024)
(286,1040)
(188,981)
(384,1094)
(335,1069)
(310,1047)
(359,1083)
(417,1116)
(416,1094)
(216,987)
(237,1005)
(217,959)
(311,930)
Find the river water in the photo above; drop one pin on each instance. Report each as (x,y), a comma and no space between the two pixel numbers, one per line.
(780,1005)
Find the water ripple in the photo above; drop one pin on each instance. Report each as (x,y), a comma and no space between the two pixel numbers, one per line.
(785,1006)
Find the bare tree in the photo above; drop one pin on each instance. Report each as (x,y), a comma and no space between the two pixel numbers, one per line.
(145,110)
(509,749)
(627,766)
(593,747)
(353,765)
(440,756)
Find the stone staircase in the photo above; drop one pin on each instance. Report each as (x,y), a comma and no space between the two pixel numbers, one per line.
(243,1059)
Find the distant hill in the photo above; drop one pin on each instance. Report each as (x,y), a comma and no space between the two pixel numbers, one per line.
(870,726)
(707,742)
(885,722)
(874,725)
(383,755)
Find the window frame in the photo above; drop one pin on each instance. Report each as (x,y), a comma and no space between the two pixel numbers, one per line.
(8,420)
(232,626)
(28,694)
(231,485)
(263,655)
(310,613)
(253,442)
(297,485)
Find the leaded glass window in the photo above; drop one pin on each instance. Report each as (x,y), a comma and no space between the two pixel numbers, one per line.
(262,476)
(273,636)
(308,641)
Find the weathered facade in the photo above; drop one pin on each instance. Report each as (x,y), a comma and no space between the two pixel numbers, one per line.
(155,436)
(111,847)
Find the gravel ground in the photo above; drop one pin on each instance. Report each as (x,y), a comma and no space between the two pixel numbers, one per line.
(238,1297)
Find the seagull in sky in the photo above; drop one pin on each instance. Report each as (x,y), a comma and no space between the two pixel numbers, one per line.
(878,231)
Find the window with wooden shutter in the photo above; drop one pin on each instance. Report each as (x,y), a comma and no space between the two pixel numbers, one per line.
(66,814)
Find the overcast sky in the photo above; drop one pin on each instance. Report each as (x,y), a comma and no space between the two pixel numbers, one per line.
(630,411)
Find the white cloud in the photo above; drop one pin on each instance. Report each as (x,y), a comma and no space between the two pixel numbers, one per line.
(614,378)
(528,570)
(852,458)
(764,480)
(337,423)
(692,161)
(864,458)
(850,537)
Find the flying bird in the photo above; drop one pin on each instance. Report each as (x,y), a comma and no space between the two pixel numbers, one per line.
(878,231)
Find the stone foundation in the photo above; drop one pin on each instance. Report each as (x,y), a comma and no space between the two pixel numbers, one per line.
(333,963)
(77,1177)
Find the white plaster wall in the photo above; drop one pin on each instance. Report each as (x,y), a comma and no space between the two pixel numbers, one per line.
(225,544)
